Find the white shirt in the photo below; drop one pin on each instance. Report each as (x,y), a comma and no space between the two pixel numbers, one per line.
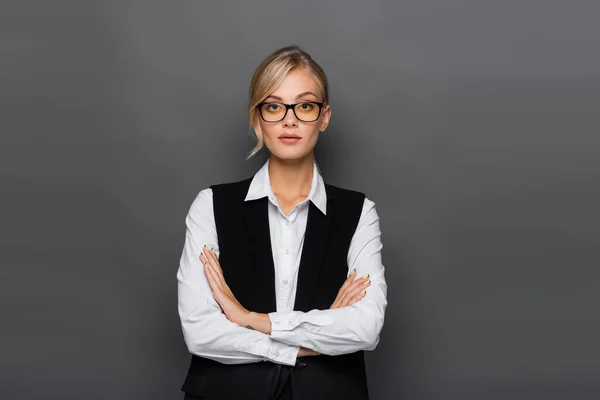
(207,331)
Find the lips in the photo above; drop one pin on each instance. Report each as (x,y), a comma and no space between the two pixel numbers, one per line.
(289,136)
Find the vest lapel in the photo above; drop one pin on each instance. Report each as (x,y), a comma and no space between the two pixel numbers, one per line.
(256,218)
(316,239)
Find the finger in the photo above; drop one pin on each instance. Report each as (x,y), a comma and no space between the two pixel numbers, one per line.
(218,294)
(354,299)
(221,293)
(343,289)
(357,298)
(214,263)
(214,285)
(348,280)
(336,303)
(357,283)
(208,268)
(210,276)
(211,256)
(356,288)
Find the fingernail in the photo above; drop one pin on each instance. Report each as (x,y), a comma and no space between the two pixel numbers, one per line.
(366,276)
(353,271)
(364,291)
(368,282)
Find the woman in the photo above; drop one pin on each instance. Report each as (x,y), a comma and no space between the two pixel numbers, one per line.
(281,286)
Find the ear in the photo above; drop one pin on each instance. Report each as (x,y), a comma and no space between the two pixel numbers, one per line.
(325,117)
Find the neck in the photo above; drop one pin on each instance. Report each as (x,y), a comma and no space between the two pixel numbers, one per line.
(291,178)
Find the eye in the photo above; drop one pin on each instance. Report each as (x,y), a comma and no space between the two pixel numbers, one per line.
(306,106)
(273,107)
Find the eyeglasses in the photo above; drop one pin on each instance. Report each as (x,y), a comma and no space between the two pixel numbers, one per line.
(307,111)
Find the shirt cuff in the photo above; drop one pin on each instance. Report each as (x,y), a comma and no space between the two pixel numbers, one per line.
(287,321)
(271,350)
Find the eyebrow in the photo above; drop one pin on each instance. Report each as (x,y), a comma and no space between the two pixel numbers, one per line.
(297,97)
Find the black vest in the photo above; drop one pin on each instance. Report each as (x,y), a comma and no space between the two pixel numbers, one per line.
(247,261)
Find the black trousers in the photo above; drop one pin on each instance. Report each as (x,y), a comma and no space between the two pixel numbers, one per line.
(281,387)
(312,378)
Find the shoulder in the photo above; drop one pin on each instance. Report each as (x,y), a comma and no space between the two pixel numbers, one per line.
(357,200)
(206,196)
(221,195)
(337,192)
(231,190)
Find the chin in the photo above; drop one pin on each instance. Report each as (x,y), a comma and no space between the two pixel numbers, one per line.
(289,153)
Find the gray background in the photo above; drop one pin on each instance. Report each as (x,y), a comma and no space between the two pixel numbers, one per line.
(473,125)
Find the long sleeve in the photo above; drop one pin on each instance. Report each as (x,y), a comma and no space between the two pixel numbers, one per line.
(347,329)
(207,331)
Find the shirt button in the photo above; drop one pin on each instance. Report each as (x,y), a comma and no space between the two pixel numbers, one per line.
(287,223)
(285,282)
(290,323)
(289,356)
(276,354)
(287,251)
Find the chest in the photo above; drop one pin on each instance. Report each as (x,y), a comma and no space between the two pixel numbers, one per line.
(287,233)
(265,259)
(254,241)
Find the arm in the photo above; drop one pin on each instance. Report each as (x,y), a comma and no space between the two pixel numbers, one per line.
(207,331)
(347,329)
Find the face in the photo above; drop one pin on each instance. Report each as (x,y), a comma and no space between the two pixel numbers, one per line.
(291,138)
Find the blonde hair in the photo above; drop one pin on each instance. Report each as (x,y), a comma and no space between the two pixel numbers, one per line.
(270,74)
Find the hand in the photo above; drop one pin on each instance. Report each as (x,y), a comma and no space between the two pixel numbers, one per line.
(351,292)
(304,352)
(232,308)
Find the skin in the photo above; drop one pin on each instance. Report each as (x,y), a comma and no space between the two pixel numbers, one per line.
(290,172)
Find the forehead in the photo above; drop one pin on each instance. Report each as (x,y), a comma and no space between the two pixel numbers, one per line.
(297,81)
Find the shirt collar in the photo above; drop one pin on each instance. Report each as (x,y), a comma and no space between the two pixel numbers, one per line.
(261,187)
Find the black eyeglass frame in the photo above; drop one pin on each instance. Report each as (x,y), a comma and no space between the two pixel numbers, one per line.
(287,107)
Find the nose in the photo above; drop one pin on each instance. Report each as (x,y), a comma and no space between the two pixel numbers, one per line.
(290,118)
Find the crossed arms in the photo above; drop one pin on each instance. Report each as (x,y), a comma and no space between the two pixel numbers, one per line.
(216,326)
